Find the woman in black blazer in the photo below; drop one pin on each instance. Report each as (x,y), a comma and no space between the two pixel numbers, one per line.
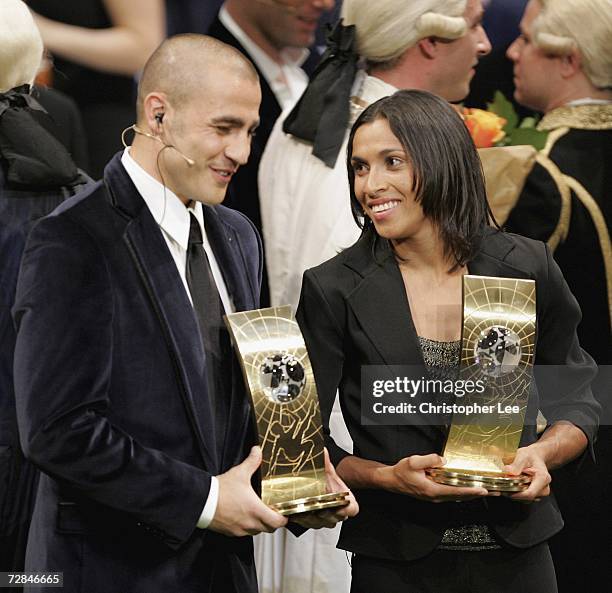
(394,298)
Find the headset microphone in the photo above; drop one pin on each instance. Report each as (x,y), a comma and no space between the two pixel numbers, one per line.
(159,117)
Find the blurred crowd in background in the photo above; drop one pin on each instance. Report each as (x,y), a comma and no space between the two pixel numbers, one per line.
(96,49)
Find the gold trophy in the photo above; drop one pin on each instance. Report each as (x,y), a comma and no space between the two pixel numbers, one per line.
(498,347)
(279,376)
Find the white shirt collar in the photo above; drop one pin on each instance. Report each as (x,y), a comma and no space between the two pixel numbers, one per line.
(370,89)
(588,101)
(166,207)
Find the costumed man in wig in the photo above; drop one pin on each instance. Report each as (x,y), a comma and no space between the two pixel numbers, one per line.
(563,68)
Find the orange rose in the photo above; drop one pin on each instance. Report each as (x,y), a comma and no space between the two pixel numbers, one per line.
(486,128)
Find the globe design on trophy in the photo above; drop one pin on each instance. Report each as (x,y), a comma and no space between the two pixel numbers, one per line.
(497,351)
(278,373)
(282,377)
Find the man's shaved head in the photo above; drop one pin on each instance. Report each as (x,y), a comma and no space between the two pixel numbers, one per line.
(198,108)
(181,65)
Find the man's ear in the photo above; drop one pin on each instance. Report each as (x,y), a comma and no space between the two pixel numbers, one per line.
(154,104)
(571,64)
(429,47)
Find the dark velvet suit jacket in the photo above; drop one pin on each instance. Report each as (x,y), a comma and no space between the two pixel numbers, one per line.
(112,401)
(354,311)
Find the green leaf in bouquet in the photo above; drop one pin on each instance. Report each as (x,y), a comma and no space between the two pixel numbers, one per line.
(529,136)
(502,107)
(529,122)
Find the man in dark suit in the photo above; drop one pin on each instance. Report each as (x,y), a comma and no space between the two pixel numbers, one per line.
(128,395)
(275,37)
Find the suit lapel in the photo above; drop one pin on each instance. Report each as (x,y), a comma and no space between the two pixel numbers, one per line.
(170,303)
(381,295)
(227,247)
(381,307)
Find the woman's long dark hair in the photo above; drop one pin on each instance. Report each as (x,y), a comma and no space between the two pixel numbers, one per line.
(448,179)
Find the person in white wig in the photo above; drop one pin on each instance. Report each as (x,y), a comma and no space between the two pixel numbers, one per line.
(563,68)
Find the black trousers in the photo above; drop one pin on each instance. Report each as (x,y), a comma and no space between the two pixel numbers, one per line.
(491,571)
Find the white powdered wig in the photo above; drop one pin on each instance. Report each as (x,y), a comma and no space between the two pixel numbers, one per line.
(387,28)
(21,47)
(586,25)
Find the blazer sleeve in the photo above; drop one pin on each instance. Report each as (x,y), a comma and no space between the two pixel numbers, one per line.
(324,339)
(63,361)
(564,370)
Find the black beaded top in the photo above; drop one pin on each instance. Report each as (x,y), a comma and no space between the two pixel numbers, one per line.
(469,532)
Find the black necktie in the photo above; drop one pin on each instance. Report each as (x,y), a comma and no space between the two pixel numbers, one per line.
(202,286)
(208,307)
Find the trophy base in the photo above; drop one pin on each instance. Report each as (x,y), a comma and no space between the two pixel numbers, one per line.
(312,503)
(489,480)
